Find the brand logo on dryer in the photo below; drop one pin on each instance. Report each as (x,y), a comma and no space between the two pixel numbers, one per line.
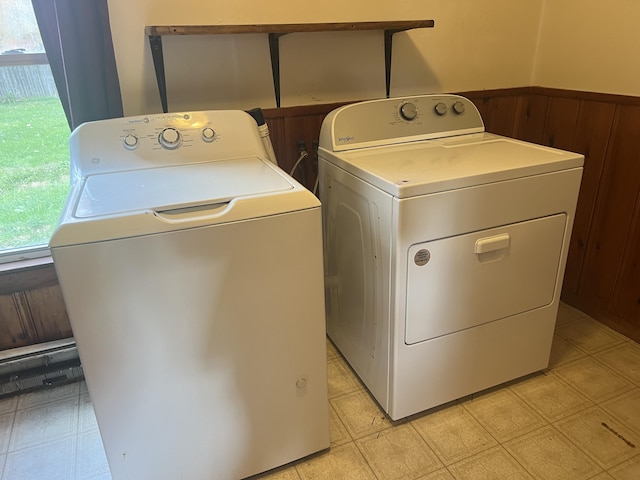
(346,139)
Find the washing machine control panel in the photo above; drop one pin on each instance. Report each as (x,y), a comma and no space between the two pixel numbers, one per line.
(393,120)
(164,139)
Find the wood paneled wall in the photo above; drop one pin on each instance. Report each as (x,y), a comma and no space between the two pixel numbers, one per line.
(603,269)
(32,309)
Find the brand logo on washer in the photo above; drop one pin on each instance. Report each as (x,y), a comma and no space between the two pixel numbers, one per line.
(346,139)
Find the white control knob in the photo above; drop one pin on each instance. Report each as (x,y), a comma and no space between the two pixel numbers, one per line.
(208,134)
(130,141)
(408,111)
(170,138)
(441,108)
(458,107)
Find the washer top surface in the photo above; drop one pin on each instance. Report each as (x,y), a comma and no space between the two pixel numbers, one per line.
(428,144)
(177,187)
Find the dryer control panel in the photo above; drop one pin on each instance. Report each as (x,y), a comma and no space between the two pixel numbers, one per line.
(399,120)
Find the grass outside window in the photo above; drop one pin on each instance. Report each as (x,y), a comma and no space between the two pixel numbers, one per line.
(34,170)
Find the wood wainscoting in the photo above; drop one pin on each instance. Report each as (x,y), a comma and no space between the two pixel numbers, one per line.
(603,268)
(602,276)
(32,309)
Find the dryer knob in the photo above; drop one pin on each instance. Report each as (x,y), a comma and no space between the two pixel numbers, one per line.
(170,138)
(458,107)
(441,108)
(408,111)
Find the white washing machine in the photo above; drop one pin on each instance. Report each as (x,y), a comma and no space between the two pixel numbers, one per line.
(445,248)
(191,268)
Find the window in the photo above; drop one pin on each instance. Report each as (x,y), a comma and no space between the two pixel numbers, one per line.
(34,134)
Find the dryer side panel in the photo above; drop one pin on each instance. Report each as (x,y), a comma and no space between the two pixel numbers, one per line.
(356,220)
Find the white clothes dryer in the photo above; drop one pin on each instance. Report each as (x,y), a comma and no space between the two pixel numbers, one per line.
(445,248)
(191,267)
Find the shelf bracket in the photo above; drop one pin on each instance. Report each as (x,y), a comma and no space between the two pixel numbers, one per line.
(388,48)
(155,41)
(274,51)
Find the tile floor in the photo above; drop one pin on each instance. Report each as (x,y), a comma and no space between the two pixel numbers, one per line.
(580,419)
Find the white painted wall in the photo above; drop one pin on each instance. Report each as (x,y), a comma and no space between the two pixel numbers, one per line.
(474,45)
(590,46)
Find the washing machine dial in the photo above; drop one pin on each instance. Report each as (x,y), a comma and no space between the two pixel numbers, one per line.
(458,107)
(441,108)
(408,111)
(130,142)
(170,138)
(208,134)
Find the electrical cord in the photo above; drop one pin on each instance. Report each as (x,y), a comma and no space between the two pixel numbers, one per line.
(303,155)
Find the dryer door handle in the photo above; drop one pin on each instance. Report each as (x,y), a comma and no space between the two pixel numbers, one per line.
(490,244)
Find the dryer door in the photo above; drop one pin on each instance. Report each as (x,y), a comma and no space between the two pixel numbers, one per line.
(459,282)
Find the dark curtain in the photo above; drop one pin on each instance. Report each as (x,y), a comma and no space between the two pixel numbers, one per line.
(77,38)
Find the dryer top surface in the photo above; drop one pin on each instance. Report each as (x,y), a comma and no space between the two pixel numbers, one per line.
(431,166)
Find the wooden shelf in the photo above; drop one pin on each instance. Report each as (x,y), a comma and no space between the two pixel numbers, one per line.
(274,32)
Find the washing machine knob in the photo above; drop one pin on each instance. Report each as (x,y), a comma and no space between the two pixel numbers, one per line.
(458,107)
(408,111)
(170,138)
(208,134)
(441,108)
(130,141)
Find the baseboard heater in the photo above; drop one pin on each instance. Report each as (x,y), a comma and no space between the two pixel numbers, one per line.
(25,369)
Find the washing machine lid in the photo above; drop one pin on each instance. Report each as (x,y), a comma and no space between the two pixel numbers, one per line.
(431,166)
(119,205)
(174,187)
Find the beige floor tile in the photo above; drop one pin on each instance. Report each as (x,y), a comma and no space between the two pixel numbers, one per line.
(550,396)
(51,461)
(442,474)
(92,461)
(87,418)
(548,455)
(588,335)
(33,426)
(332,351)
(602,476)
(626,409)
(8,405)
(289,473)
(6,424)
(337,431)
(341,379)
(360,414)
(563,352)
(492,464)
(629,470)
(624,359)
(453,433)
(504,414)
(398,453)
(341,463)
(594,380)
(566,314)
(605,439)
